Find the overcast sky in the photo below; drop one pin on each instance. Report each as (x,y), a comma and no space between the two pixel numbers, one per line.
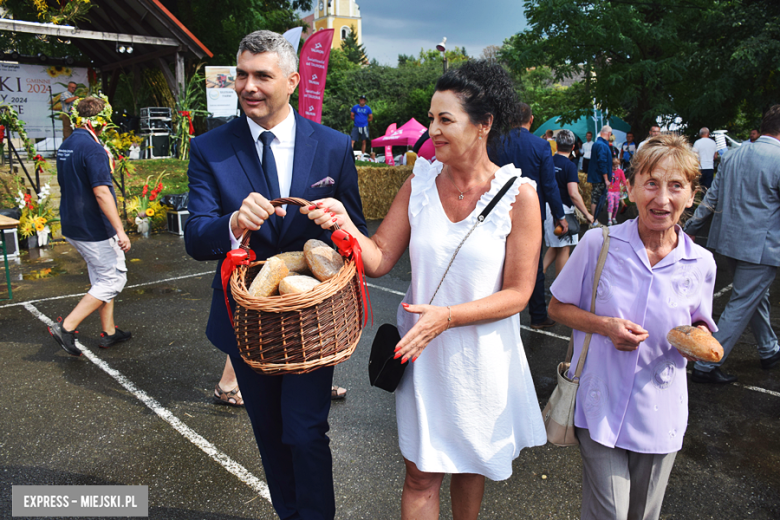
(398,27)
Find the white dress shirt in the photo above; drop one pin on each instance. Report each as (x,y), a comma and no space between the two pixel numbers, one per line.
(586,148)
(283,147)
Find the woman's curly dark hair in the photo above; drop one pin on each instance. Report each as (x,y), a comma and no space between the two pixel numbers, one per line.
(484,90)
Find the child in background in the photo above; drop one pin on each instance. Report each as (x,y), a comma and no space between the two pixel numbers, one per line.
(615,187)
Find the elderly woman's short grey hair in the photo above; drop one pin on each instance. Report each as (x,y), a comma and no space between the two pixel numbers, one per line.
(269,41)
(565,140)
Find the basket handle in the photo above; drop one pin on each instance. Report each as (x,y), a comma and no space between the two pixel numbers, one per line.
(276,203)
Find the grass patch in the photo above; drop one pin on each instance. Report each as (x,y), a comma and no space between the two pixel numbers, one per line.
(175,180)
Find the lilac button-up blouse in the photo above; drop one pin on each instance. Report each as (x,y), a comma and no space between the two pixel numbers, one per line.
(637,400)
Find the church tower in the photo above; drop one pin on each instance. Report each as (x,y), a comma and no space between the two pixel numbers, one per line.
(340,15)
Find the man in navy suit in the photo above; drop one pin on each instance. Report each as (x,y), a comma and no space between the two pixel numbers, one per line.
(533,156)
(234,171)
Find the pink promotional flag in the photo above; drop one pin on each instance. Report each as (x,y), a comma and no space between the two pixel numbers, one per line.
(389,149)
(313,70)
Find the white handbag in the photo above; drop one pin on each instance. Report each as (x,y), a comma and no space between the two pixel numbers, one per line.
(559,413)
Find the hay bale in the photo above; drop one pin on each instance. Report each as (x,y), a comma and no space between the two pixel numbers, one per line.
(585,188)
(378,187)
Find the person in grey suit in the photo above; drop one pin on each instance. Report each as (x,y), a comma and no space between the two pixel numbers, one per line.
(744,202)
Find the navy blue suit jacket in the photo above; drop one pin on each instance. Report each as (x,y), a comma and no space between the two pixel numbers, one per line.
(224,169)
(534,158)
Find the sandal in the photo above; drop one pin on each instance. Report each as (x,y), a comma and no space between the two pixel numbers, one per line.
(231,398)
(337,393)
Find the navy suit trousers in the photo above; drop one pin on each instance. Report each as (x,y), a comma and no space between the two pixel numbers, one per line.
(289,415)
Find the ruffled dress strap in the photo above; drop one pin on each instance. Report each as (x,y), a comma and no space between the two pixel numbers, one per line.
(498,222)
(423,181)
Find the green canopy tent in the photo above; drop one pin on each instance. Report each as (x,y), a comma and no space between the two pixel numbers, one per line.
(587,124)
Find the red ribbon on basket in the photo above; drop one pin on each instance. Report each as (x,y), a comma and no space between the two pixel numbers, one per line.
(349,247)
(186,113)
(234,258)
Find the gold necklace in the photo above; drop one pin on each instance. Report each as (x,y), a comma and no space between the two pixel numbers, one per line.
(462,193)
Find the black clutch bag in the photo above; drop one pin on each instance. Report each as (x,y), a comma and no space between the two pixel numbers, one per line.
(384,371)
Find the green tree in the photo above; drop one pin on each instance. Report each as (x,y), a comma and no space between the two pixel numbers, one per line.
(354,51)
(701,60)
(222,32)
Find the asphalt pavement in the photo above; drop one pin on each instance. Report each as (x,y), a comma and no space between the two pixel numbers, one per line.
(140,413)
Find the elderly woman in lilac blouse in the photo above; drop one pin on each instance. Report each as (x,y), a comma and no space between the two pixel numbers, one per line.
(632,404)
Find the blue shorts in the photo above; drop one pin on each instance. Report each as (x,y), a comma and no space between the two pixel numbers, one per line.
(360,133)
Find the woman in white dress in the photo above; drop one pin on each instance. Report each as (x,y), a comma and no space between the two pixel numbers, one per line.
(467,404)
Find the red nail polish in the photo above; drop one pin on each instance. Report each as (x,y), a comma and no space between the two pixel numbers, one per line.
(396,349)
(335,220)
(404,305)
(414,358)
(404,360)
(332,214)
(319,204)
(397,356)
(312,208)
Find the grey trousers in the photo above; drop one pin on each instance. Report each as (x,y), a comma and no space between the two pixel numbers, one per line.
(749,304)
(618,484)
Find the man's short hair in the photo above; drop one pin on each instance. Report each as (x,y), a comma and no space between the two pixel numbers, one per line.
(525,113)
(588,132)
(630,133)
(704,131)
(605,128)
(549,133)
(770,125)
(72,83)
(565,140)
(90,106)
(259,42)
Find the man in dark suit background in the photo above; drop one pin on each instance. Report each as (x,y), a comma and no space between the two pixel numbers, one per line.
(234,171)
(532,155)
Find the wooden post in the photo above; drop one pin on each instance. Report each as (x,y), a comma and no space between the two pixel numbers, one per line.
(180,79)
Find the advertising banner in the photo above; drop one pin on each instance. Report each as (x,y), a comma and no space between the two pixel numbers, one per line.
(389,149)
(313,70)
(34,91)
(221,99)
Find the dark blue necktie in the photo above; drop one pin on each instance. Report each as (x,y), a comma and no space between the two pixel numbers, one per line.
(269,166)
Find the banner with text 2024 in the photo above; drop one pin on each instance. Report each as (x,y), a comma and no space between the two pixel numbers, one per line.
(34,91)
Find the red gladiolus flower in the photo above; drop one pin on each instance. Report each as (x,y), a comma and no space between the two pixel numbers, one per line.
(152,196)
(27,197)
(146,189)
(159,187)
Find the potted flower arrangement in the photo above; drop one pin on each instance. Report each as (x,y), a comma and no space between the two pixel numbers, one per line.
(146,206)
(38,218)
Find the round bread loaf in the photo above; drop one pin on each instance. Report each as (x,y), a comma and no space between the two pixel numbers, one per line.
(696,343)
(297,284)
(266,283)
(323,261)
(295,261)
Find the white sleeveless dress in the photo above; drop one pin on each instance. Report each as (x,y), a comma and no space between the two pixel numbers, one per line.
(468,404)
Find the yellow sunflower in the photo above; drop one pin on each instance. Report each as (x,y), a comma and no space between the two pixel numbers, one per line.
(149,212)
(39,226)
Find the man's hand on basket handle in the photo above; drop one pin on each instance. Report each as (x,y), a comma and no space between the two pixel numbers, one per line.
(253,213)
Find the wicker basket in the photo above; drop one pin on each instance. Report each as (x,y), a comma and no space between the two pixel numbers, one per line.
(297,333)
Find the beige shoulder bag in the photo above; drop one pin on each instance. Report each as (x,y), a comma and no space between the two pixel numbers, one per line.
(559,413)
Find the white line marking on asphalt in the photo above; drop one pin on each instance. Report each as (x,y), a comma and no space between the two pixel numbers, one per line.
(385,289)
(525,327)
(757,389)
(128,287)
(209,449)
(723,291)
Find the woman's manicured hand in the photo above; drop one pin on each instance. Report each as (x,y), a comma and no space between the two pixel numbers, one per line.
(326,212)
(624,334)
(432,322)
